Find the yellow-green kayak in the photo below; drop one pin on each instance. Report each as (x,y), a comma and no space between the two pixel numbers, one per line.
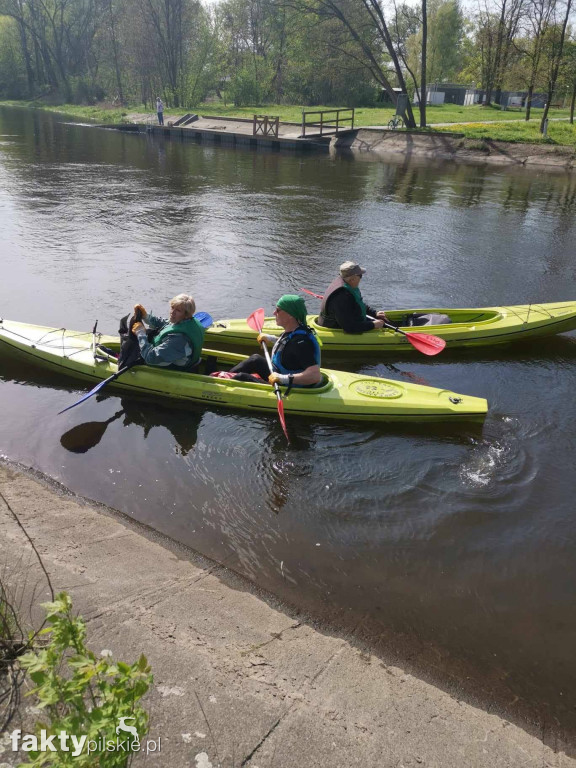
(468,328)
(342,395)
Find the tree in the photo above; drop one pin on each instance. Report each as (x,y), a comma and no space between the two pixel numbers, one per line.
(57,40)
(498,26)
(433,50)
(555,48)
(538,16)
(168,26)
(568,73)
(372,38)
(446,31)
(13,81)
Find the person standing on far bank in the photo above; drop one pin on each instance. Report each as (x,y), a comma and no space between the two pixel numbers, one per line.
(160,110)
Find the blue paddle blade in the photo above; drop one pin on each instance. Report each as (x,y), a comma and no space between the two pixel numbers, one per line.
(204,319)
(96,389)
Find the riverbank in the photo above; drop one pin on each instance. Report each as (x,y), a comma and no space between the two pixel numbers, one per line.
(474,121)
(457,148)
(508,141)
(241,680)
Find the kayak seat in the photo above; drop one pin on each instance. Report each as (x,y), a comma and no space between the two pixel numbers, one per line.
(434,318)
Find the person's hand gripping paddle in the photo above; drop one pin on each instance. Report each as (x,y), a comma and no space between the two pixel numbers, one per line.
(423,342)
(256,322)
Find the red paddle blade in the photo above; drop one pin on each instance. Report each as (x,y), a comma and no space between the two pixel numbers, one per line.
(310,293)
(425,343)
(256,320)
(281,417)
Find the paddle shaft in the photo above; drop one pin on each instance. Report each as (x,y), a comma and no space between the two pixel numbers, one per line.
(97,388)
(388,325)
(256,321)
(276,389)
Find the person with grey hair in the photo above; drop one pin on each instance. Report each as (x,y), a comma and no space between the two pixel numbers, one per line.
(176,343)
(343,306)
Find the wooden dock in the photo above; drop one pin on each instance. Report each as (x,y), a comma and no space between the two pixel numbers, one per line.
(228,131)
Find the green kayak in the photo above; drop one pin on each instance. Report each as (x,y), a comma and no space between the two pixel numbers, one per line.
(468,328)
(341,396)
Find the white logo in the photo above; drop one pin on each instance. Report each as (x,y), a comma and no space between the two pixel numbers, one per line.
(127,728)
(76,745)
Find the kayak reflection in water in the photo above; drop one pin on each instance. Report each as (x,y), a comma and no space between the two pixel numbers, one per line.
(343,306)
(175,343)
(296,354)
(84,437)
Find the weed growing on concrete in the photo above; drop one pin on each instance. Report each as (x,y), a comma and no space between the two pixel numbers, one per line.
(84,694)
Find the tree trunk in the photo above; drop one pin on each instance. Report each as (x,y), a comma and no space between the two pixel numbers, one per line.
(529,101)
(115,54)
(423,85)
(573,103)
(26,55)
(556,67)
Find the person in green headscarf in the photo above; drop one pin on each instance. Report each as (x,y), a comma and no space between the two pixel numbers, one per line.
(296,354)
(343,306)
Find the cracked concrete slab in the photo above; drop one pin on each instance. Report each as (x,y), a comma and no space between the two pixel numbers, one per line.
(239,679)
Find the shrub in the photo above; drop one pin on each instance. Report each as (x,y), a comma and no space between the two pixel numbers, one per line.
(83,694)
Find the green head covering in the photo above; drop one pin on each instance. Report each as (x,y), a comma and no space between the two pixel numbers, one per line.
(294,305)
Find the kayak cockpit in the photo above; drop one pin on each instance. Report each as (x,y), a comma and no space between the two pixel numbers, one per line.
(458,317)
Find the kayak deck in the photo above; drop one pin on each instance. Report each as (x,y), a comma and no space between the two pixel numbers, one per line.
(342,395)
(468,328)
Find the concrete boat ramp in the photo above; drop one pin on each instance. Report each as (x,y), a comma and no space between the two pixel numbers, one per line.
(235,131)
(240,680)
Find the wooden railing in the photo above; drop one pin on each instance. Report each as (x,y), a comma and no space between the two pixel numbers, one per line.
(328,123)
(265,125)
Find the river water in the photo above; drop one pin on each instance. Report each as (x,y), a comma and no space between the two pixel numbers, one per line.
(451,547)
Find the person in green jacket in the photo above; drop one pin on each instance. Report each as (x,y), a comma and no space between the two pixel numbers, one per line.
(177,342)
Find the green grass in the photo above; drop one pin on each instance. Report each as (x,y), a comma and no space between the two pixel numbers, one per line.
(560,133)
(99,114)
(363,116)
(510,125)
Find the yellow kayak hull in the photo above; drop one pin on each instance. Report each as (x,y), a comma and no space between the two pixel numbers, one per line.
(469,328)
(344,396)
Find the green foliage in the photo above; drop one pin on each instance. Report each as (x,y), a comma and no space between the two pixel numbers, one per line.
(12,74)
(246,88)
(445,34)
(446,27)
(82,694)
(83,91)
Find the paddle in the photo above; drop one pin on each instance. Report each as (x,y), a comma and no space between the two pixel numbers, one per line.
(83,437)
(256,321)
(203,318)
(423,342)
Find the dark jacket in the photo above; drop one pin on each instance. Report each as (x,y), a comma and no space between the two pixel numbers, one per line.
(341,310)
